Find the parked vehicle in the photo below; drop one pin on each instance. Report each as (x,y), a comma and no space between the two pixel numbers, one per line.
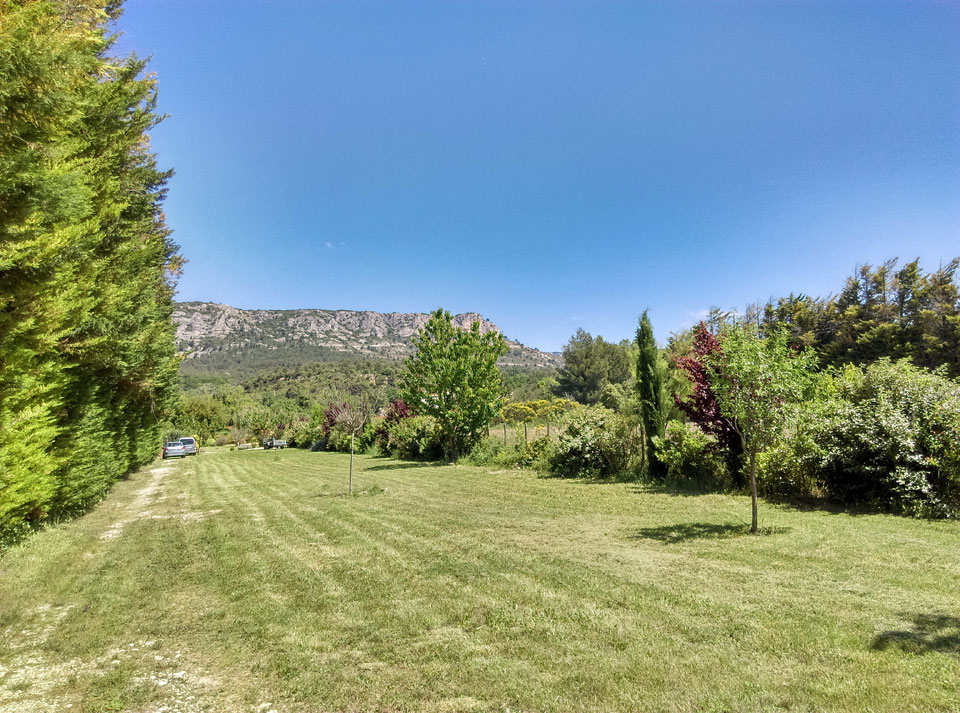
(274,443)
(174,449)
(190,445)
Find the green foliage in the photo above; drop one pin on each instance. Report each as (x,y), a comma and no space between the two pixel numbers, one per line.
(415,438)
(453,378)
(652,385)
(597,443)
(302,433)
(86,263)
(690,456)
(339,438)
(790,465)
(528,383)
(882,311)
(255,419)
(518,412)
(760,385)
(537,454)
(589,364)
(892,437)
(202,415)
(487,452)
(620,398)
(372,381)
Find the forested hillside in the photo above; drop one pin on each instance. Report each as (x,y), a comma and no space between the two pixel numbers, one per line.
(88,368)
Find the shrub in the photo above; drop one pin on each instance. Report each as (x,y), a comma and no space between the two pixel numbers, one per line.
(596,443)
(791,465)
(537,454)
(892,437)
(395,412)
(690,454)
(339,439)
(300,434)
(486,452)
(415,438)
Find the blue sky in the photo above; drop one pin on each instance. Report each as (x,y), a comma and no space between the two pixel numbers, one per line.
(551,164)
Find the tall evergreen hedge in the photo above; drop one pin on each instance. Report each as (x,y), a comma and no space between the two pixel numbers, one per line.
(88,368)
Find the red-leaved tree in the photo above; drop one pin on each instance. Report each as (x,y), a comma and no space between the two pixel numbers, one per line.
(702,406)
(395,412)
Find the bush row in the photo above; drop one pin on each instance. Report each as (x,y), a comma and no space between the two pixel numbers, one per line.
(886,434)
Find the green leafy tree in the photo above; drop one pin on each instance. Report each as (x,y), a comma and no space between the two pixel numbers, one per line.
(653,392)
(547,387)
(202,415)
(453,378)
(881,311)
(591,363)
(760,385)
(253,419)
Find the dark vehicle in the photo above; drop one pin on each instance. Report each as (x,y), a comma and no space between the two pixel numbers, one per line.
(190,445)
(274,443)
(174,449)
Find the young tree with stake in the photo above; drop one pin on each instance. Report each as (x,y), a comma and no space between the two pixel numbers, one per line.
(352,418)
(759,386)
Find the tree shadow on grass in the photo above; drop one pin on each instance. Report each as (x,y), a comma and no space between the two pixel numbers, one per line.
(682,532)
(930,632)
(404,466)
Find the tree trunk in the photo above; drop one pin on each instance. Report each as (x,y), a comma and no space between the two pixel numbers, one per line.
(644,461)
(753,489)
(548,428)
(524,434)
(504,433)
(350,487)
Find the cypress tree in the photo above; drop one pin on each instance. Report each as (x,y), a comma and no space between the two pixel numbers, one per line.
(87,361)
(653,392)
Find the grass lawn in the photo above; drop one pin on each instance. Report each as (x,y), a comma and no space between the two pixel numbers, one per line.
(247,581)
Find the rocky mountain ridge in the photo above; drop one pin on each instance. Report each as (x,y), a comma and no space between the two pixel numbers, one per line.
(206,329)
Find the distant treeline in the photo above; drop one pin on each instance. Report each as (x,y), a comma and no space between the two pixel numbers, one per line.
(88,368)
(882,311)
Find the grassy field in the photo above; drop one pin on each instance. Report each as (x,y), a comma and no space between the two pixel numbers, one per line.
(247,581)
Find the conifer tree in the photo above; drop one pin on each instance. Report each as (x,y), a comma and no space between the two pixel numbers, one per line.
(88,368)
(653,392)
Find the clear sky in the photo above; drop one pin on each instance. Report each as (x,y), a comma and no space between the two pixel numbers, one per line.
(551,164)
